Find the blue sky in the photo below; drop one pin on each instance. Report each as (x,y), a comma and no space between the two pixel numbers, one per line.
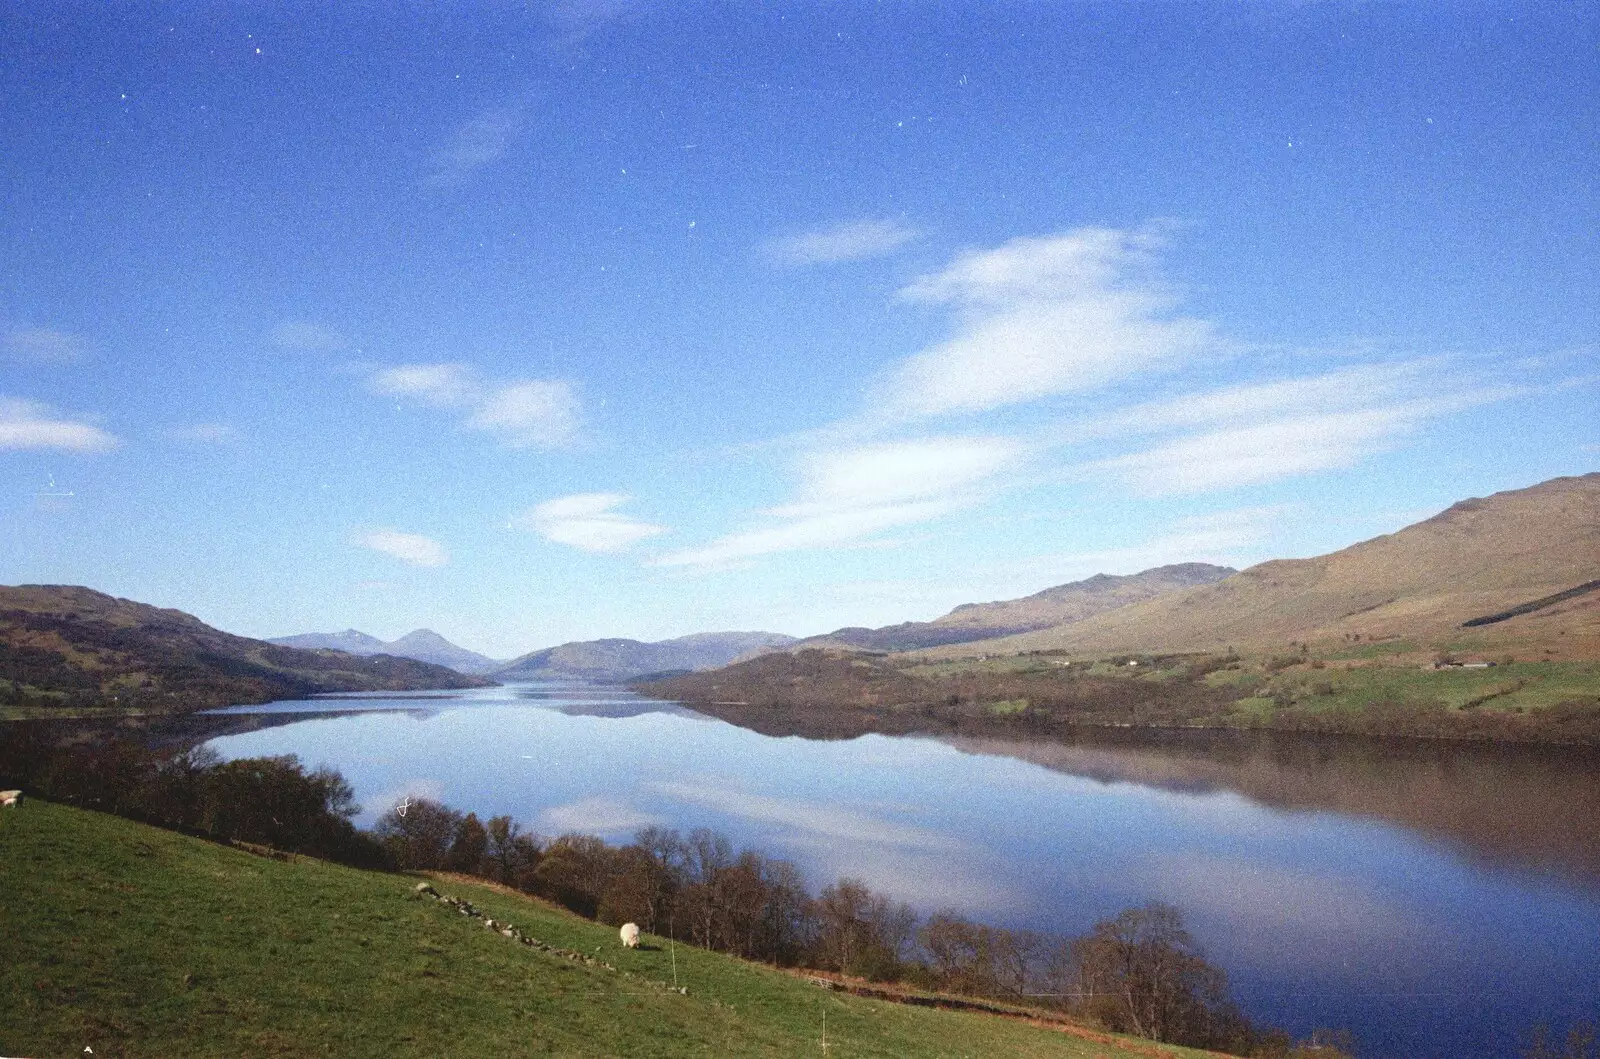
(530,323)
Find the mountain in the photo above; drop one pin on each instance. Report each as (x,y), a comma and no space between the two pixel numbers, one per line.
(424,645)
(65,646)
(350,641)
(1052,607)
(1516,569)
(618,659)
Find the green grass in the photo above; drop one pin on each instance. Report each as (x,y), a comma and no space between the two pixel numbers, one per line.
(1369,651)
(141,942)
(1526,686)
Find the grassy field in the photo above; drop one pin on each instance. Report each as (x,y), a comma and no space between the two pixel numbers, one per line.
(1519,686)
(139,942)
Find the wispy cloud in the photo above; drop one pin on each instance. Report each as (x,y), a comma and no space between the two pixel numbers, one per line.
(308,336)
(31,425)
(1041,316)
(411,548)
(475,143)
(846,241)
(1081,312)
(1265,452)
(538,413)
(1362,386)
(587,521)
(525,413)
(436,384)
(1263,432)
(851,494)
(42,345)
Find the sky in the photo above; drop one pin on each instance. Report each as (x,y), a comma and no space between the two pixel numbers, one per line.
(537,322)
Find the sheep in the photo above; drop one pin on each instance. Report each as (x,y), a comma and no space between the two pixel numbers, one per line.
(630,935)
(10,798)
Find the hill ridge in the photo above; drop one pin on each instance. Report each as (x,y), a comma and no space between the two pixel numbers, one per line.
(1479,556)
(72,647)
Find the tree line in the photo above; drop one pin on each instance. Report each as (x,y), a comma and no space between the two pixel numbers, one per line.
(270,801)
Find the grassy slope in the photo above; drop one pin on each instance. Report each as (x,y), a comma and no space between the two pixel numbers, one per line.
(136,941)
(1477,558)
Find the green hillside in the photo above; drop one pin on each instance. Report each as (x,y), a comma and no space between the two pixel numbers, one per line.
(139,942)
(71,650)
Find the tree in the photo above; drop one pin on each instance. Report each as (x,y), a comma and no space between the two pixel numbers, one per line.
(469,848)
(640,891)
(860,932)
(511,853)
(1142,974)
(575,871)
(419,833)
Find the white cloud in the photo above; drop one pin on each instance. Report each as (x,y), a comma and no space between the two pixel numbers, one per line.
(411,548)
(586,521)
(474,144)
(851,494)
(898,471)
(435,384)
(1248,455)
(522,413)
(1262,432)
(1042,316)
(42,345)
(308,336)
(1348,388)
(539,413)
(846,241)
(31,425)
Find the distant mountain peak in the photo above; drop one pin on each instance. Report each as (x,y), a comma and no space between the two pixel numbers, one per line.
(614,658)
(423,645)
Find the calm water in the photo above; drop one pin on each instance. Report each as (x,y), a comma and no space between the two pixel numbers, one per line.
(1436,900)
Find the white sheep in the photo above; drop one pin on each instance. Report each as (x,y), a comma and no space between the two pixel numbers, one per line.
(10,798)
(630,935)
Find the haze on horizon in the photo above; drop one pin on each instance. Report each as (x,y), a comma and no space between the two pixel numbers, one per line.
(538,324)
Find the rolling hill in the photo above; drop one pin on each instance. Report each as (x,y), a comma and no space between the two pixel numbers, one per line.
(1052,607)
(424,645)
(1515,569)
(63,646)
(621,659)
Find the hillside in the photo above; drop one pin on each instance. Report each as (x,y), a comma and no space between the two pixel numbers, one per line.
(1060,605)
(620,659)
(138,942)
(1512,557)
(424,645)
(65,647)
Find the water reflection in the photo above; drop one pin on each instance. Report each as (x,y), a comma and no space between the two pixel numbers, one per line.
(1515,806)
(1327,876)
